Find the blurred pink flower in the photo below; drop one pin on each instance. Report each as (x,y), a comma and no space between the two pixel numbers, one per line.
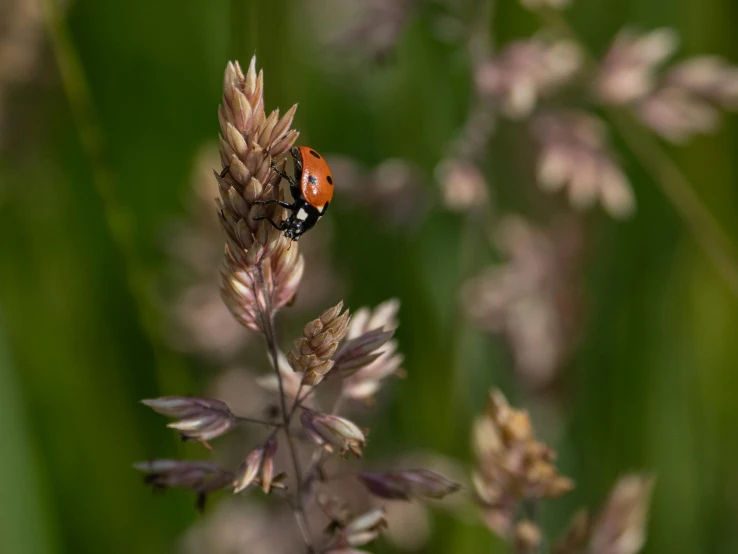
(677,105)
(690,97)
(574,153)
(532,300)
(525,71)
(621,525)
(709,77)
(627,72)
(462,184)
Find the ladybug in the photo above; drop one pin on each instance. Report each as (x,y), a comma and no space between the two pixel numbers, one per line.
(311,189)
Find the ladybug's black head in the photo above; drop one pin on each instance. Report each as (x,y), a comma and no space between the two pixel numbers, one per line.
(294,228)
(300,221)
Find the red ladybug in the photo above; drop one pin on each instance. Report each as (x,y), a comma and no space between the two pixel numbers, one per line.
(311,189)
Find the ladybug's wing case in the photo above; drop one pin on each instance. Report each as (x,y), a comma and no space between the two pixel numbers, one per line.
(316,182)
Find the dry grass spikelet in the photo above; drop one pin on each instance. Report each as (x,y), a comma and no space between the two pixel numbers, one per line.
(512,466)
(312,352)
(262,269)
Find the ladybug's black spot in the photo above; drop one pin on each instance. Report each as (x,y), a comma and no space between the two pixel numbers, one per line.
(314,153)
(312,179)
(329,179)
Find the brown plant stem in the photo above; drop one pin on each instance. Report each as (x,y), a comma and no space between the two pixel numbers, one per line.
(259,421)
(534,514)
(270,336)
(320,454)
(299,400)
(667,175)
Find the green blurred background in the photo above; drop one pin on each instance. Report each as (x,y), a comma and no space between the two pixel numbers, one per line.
(81,217)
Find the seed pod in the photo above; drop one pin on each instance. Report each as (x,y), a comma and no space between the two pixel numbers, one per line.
(312,352)
(404,485)
(248,470)
(330,430)
(199,418)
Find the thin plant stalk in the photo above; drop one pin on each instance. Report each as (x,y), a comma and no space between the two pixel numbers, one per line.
(679,191)
(117,217)
(256,420)
(271,340)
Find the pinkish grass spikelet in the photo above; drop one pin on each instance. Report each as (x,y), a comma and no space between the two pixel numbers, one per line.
(621,526)
(248,470)
(199,418)
(382,362)
(331,431)
(312,352)
(408,484)
(512,466)
(262,269)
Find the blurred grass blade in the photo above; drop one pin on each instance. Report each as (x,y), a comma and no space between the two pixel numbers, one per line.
(24,516)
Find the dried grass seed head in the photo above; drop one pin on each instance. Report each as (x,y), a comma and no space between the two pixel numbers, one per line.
(312,353)
(199,418)
(527,536)
(512,466)
(248,470)
(332,431)
(576,536)
(258,468)
(360,531)
(199,477)
(620,527)
(408,484)
(262,269)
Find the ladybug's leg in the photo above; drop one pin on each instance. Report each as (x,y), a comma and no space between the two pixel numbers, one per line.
(295,153)
(282,174)
(225,171)
(281,227)
(280,202)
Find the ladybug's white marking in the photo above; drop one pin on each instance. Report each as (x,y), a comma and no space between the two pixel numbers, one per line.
(302,214)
